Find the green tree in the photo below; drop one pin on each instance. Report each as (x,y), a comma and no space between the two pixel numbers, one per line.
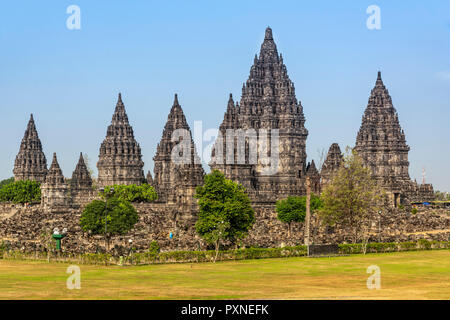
(21,192)
(293,209)
(442,196)
(6,181)
(131,193)
(353,198)
(225,213)
(108,218)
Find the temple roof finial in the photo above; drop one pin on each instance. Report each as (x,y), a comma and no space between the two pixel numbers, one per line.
(175,100)
(268,35)
(230,101)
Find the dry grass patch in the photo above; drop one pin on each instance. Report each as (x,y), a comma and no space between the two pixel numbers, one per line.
(404,275)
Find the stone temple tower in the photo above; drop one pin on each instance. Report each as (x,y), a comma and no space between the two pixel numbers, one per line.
(55,189)
(30,163)
(120,160)
(177,167)
(81,189)
(382,145)
(331,164)
(314,176)
(81,178)
(268,107)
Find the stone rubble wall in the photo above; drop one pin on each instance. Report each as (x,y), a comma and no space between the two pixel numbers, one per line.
(22,227)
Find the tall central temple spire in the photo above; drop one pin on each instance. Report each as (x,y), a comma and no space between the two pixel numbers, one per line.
(268,102)
(120,159)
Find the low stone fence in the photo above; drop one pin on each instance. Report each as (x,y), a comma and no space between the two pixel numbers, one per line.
(316,250)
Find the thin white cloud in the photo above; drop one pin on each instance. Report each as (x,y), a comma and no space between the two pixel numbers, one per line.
(443,75)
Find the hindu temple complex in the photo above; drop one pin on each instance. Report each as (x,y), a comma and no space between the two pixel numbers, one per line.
(268,106)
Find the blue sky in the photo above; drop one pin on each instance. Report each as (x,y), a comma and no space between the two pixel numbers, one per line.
(203,50)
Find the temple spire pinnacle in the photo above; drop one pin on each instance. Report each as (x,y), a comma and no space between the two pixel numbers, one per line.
(379,79)
(175,100)
(81,159)
(268,50)
(268,35)
(120,115)
(230,102)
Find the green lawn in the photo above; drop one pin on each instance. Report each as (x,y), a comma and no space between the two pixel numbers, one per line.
(406,275)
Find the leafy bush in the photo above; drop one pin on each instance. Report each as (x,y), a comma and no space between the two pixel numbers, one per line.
(21,192)
(414,210)
(154,247)
(131,193)
(350,248)
(424,244)
(407,246)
